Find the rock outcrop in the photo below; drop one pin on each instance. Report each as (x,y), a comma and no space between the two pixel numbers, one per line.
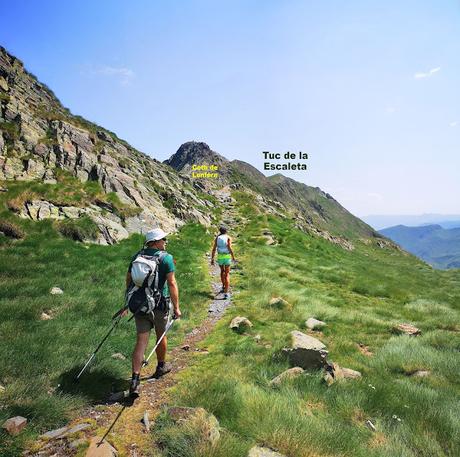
(39,137)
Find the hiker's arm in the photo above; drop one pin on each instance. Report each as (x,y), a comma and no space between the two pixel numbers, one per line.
(213,253)
(128,279)
(229,245)
(174,293)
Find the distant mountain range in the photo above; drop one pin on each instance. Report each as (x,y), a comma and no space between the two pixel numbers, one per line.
(379,222)
(437,246)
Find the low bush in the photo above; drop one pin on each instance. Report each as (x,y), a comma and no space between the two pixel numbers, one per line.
(81,229)
(11,230)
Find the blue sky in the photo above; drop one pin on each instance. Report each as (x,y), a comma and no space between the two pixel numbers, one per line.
(369,89)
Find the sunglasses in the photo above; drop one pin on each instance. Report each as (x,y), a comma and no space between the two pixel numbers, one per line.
(164,239)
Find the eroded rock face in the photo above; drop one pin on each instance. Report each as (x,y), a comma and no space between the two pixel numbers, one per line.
(41,136)
(305,351)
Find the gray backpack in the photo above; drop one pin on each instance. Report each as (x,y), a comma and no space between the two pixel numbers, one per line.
(143,294)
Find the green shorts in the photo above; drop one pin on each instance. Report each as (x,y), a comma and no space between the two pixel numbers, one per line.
(224,259)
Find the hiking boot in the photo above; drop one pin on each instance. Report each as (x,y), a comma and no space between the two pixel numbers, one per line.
(162,370)
(134,387)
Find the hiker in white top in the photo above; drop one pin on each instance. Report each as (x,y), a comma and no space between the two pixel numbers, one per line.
(223,245)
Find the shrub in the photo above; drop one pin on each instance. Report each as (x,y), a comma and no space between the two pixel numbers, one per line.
(11,230)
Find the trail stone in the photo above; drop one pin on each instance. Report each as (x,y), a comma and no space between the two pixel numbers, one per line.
(45,317)
(56,291)
(258,451)
(406,329)
(314,324)
(52,434)
(286,375)
(205,423)
(305,351)
(146,421)
(14,425)
(75,429)
(116,397)
(240,323)
(118,356)
(97,449)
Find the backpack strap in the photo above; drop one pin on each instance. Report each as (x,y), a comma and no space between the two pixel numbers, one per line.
(161,257)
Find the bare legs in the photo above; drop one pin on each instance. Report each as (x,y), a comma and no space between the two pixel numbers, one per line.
(225,277)
(141,345)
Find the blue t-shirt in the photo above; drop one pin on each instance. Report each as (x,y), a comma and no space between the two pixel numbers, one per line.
(166,266)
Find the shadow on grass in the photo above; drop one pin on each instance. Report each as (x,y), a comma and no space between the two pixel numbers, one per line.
(96,385)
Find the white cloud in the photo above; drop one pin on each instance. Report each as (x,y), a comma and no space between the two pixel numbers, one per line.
(454,123)
(375,196)
(123,74)
(429,74)
(390,109)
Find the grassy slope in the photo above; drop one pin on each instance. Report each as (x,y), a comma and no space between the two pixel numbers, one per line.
(360,295)
(36,355)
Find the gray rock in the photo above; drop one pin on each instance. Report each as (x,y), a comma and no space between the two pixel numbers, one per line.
(77,428)
(53,434)
(45,317)
(240,323)
(370,426)
(258,451)
(333,372)
(280,303)
(292,373)
(100,449)
(314,324)
(305,351)
(56,291)
(14,425)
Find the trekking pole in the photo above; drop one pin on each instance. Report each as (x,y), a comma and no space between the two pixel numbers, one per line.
(117,316)
(146,361)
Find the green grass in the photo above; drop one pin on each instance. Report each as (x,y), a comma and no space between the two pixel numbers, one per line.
(39,358)
(68,191)
(361,295)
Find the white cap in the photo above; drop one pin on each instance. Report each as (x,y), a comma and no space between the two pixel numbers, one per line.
(155,235)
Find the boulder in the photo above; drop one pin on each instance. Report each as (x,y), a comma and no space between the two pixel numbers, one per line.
(305,351)
(258,451)
(56,291)
(286,375)
(45,317)
(279,303)
(205,423)
(314,324)
(14,425)
(333,372)
(406,329)
(240,324)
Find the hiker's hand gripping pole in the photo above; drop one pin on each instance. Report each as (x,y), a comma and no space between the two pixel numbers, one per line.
(146,361)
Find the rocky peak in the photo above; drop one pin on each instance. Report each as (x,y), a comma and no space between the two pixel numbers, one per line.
(194,153)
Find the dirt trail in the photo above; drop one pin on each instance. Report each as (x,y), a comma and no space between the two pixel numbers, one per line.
(128,435)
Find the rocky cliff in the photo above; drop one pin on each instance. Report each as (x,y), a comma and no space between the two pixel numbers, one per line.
(40,138)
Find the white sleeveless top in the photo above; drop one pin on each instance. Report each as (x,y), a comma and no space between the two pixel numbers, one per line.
(222,247)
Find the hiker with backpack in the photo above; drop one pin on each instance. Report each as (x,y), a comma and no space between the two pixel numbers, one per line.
(223,245)
(151,287)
